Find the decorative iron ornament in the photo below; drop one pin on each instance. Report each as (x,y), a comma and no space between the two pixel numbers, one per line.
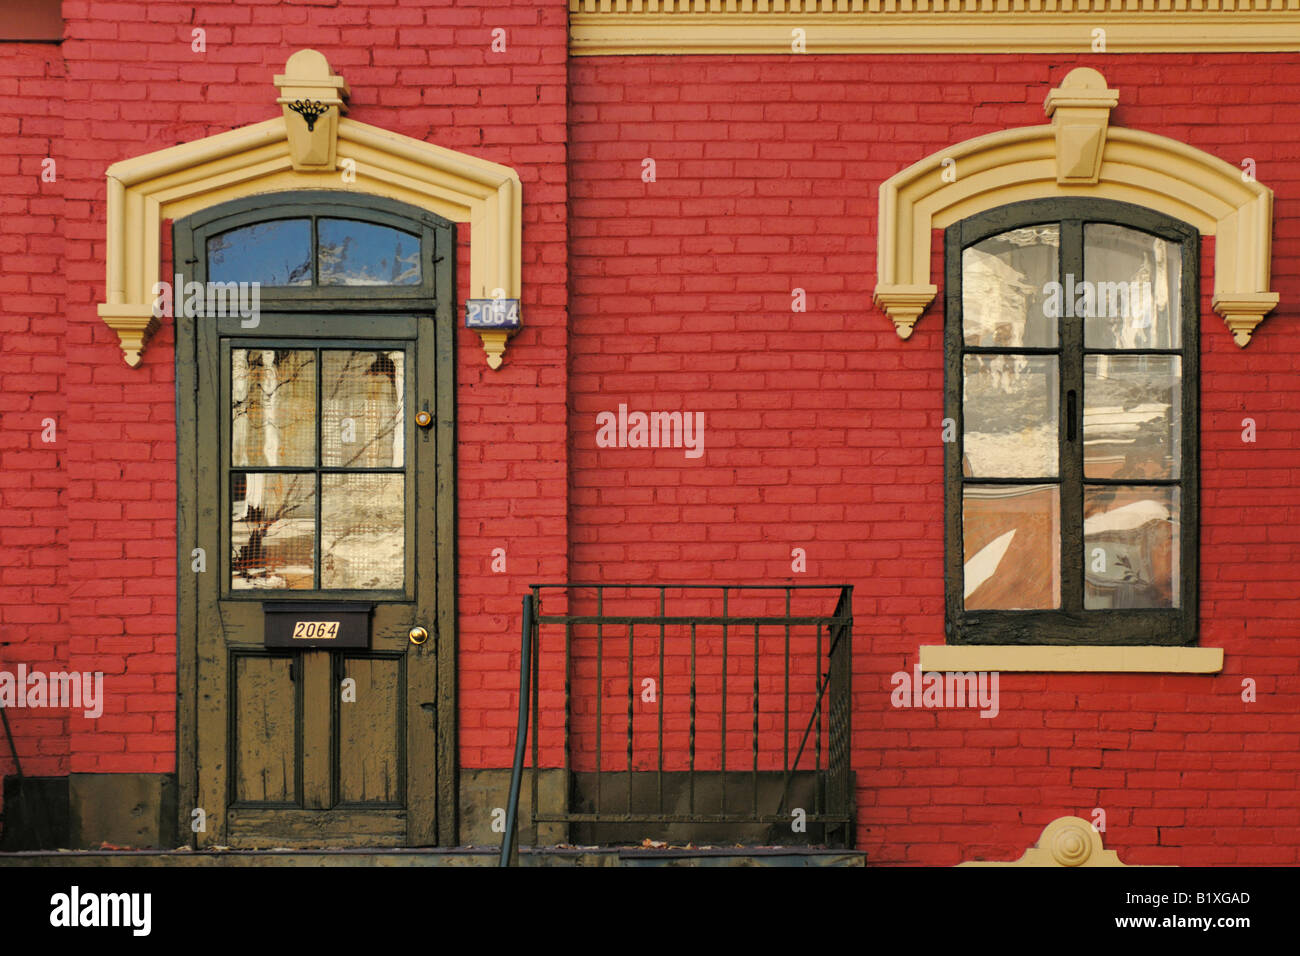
(309,110)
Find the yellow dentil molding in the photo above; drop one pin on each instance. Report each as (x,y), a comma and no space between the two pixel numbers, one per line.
(627,27)
(274,156)
(1079,154)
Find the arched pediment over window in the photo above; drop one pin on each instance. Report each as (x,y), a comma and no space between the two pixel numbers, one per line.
(1078,154)
(310,146)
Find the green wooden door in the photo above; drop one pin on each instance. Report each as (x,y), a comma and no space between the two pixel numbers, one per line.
(316,466)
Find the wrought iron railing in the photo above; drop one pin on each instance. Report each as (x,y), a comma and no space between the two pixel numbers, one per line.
(725,705)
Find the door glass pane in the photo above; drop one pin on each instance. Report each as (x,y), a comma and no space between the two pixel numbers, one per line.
(276,253)
(272,530)
(362,253)
(1011,542)
(1131,548)
(272,407)
(362,421)
(1009,416)
(361,529)
(1132,416)
(1005,287)
(1131,298)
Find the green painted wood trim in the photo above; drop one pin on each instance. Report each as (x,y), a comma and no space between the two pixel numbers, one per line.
(445,417)
(435,362)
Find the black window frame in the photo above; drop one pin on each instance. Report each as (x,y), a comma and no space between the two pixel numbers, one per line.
(1071,624)
(318,471)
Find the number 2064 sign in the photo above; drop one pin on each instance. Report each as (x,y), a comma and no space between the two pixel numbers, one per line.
(304,624)
(491,313)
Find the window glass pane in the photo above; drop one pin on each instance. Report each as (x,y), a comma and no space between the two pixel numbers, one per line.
(272,530)
(361,412)
(1009,416)
(362,533)
(1005,284)
(1011,540)
(1132,416)
(1130,542)
(272,253)
(272,407)
(1134,282)
(362,253)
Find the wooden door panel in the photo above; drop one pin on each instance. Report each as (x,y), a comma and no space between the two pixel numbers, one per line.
(370,732)
(316,674)
(265,735)
(251,827)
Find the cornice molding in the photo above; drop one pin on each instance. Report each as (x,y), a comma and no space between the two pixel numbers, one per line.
(630,27)
(1079,154)
(266,157)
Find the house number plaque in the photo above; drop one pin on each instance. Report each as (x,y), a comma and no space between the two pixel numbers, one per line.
(308,624)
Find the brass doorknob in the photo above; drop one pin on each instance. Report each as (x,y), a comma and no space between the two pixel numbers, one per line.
(418,635)
(423,419)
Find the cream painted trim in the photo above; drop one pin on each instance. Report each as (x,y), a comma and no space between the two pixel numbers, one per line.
(1029,162)
(1070,658)
(1066,841)
(175,182)
(625,27)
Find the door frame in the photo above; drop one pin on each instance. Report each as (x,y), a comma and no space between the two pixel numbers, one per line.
(189,498)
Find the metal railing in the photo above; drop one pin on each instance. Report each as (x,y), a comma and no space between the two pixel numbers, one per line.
(726,704)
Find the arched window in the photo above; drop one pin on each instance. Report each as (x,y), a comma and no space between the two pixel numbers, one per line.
(323,249)
(1071,377)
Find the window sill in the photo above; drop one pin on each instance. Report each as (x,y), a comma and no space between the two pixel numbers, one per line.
(1041,658)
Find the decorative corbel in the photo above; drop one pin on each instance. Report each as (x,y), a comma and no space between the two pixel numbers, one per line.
(133,325)
(1242,311)
(1080,111)
(494,346)
(311,98)
(495,321)
(904,304)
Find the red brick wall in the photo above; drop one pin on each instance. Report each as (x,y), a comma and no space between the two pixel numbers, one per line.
(823,430)
(33,471)
(102,595)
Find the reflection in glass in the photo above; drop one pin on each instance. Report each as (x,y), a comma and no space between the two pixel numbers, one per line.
(362,253)
(1004,286)
(272,530)
(1136,281)
(1132,416)
(276,253)
(1130,543)
(362,536)
(1009,416)
(361,409)
(273,407)
(1011,543)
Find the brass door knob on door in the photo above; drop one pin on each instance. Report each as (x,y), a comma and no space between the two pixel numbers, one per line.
(418,635)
